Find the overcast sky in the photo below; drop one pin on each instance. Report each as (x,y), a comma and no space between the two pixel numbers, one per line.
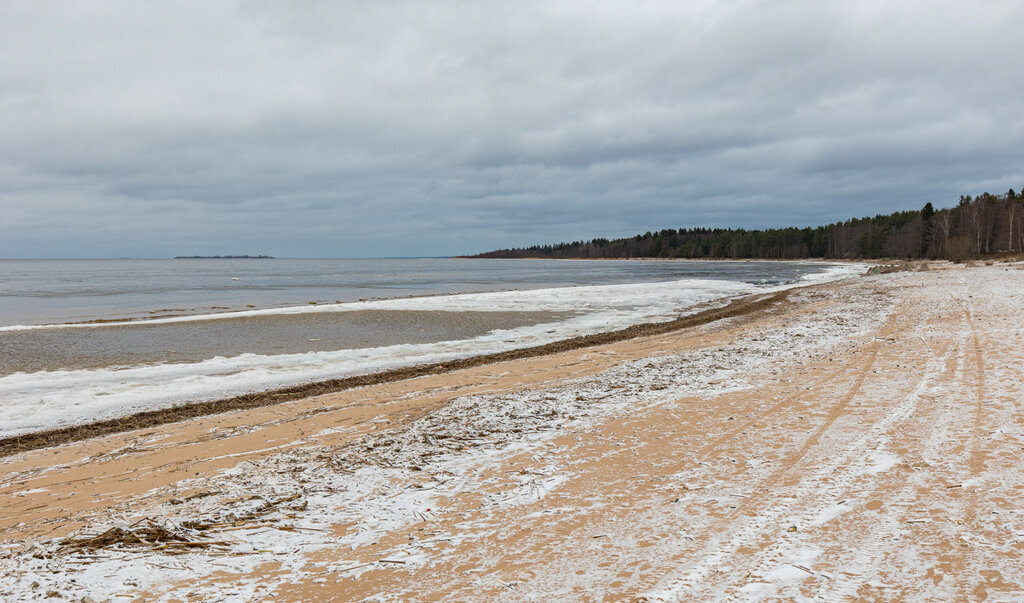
(387,128)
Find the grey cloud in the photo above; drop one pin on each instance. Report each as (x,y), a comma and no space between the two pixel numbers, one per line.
(410,128)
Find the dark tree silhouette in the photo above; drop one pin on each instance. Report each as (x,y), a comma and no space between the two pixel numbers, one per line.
(972,228)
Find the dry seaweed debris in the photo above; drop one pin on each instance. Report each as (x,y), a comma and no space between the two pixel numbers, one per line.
(233,520)
(153,534)
(900,267)
(474,421)
(146,533)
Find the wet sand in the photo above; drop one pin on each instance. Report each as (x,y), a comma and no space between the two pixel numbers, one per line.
(856,440)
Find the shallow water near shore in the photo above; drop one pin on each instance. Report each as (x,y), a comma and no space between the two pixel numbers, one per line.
(145,343)
(208,339)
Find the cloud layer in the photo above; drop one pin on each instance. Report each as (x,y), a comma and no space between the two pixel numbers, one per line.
(340,128)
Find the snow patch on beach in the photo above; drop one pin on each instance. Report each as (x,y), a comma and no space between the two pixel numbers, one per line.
(790,570)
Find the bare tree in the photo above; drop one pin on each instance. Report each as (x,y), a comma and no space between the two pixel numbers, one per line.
(945,223)
(1013,206)
(971,212)
(1011,199)
(1016,205)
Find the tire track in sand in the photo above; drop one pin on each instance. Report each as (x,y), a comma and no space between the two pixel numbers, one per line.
(831,489)
(746,525)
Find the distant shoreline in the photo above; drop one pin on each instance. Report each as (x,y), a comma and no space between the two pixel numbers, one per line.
(694,260)
(224,257)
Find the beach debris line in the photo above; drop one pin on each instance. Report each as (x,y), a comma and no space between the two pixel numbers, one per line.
(161,534)
(147,533)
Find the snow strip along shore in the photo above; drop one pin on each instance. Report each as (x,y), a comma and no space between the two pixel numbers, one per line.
(152,418)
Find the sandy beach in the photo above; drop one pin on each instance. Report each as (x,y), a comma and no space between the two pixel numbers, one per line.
(851,440)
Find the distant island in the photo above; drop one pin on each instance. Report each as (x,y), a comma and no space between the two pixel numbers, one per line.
(223,257)
(976,227)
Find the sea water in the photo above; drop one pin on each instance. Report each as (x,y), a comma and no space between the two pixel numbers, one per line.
(87,339)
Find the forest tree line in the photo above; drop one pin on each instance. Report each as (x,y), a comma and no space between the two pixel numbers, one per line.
(978,226)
